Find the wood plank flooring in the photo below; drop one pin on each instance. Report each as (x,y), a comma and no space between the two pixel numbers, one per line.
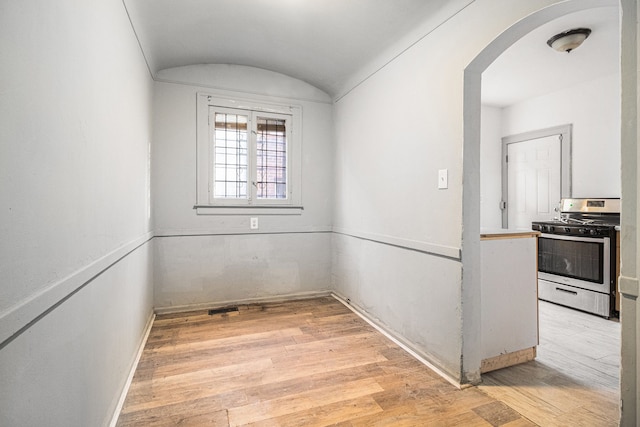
(315,363)
(574,380)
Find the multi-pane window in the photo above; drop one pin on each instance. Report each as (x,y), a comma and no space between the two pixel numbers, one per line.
(249,156)
(271,158)
(230,158)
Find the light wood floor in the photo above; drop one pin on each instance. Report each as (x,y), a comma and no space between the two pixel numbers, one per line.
(315,363)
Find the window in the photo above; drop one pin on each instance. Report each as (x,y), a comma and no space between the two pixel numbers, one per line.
(238,136)
(248,157)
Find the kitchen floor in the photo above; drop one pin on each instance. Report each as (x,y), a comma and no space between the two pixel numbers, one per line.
(574,380)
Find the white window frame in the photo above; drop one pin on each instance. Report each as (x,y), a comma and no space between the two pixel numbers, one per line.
(205,201)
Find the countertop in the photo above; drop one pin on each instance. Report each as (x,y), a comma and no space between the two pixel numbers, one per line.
(505,233)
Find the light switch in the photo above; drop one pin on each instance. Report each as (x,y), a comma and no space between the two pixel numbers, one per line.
(443,179)
(254,223)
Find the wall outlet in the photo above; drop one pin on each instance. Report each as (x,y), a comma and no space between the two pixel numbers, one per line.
(254,223)
(443,179)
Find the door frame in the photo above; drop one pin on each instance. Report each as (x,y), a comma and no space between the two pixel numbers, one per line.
(565,132)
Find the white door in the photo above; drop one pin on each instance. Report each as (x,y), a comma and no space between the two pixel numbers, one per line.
(533,180)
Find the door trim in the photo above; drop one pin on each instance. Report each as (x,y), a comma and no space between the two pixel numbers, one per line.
(565,161)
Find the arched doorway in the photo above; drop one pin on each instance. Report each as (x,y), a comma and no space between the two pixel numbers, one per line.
(471,179)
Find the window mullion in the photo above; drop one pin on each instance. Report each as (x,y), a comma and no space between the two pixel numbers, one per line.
(211,153)
(252,173)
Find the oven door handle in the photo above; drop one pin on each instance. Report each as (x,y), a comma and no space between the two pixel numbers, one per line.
(566,290)
(574,238)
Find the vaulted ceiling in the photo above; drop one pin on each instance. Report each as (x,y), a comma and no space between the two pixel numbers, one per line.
(327,42)
(321,42)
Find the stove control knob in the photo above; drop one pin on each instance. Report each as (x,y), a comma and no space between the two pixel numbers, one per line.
(552,228)
(583,231)
(593,231)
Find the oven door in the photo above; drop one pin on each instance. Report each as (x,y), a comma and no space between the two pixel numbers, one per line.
(575,261)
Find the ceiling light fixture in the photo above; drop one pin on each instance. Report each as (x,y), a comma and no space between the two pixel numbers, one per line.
(569,40)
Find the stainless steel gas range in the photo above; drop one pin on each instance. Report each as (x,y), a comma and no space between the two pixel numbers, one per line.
(577,264)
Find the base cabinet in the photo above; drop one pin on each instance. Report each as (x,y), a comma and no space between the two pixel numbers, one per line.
(509,298)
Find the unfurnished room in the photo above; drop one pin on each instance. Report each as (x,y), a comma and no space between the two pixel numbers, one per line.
(310,213)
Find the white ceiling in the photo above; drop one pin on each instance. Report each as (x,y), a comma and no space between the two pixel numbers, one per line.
(326,42)
(531,68)
(321,42)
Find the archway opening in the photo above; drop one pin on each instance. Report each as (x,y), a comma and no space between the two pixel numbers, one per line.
(471,288)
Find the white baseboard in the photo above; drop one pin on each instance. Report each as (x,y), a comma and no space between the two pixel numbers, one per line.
(380,328)
(257,300)
(132,371)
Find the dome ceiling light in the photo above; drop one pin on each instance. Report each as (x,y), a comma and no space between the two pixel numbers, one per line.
(569,40)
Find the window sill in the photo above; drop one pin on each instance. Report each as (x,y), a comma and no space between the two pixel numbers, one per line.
(248,210)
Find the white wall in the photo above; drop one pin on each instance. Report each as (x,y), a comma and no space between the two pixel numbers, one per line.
(593,109)
(393,133)
(212,259)
(407,291)
(491,168)
(75,121)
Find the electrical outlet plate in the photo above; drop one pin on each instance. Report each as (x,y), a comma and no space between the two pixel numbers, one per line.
(254,223)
